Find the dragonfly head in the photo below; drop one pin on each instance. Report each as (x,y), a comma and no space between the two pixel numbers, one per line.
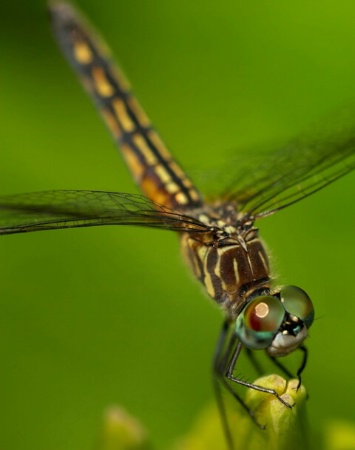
(278,323)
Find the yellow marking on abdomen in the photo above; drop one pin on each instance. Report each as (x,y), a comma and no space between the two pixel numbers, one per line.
(138,112)
(172,187)
(118,75)
(142,145)
(133,162)
(181,198)
(150,188)
(111,123)
(158,143)
(103,86)
(163,174)
(187,182)
(82,52)
(122,114)
(194,194)
(177,169)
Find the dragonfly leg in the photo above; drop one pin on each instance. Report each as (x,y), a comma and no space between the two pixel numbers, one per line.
(217,368)
(281,366)
(303,349)
(227,345)
(300,369)
(229,375)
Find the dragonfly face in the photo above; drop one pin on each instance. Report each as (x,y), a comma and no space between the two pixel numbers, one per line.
(219,239)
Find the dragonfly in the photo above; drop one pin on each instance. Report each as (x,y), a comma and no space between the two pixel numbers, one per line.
(218,238)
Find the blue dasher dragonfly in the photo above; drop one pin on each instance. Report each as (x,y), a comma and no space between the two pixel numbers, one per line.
(219,238)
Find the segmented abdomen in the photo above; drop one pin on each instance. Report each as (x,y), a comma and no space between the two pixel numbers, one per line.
(155,171)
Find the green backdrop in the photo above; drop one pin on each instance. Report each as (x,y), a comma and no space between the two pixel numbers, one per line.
(95,317)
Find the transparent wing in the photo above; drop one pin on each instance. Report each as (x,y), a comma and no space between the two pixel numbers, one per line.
(71,209)
(292,172)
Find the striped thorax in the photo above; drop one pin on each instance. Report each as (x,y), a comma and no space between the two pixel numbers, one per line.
(231,261)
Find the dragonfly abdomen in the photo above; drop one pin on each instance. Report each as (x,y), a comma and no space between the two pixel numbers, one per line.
(157,174)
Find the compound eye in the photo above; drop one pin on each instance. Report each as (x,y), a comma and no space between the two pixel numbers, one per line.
(297,303)
(258,323)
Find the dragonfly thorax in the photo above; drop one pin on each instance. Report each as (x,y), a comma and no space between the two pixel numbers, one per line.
(230,261)
(225,216)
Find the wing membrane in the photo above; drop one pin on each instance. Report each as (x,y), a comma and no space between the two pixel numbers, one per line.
(293,172)
(72,209)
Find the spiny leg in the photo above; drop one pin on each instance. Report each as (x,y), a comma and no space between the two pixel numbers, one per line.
(229,375)
(227,346)
(218,364)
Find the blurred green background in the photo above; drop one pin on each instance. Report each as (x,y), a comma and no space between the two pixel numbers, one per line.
(93,317)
